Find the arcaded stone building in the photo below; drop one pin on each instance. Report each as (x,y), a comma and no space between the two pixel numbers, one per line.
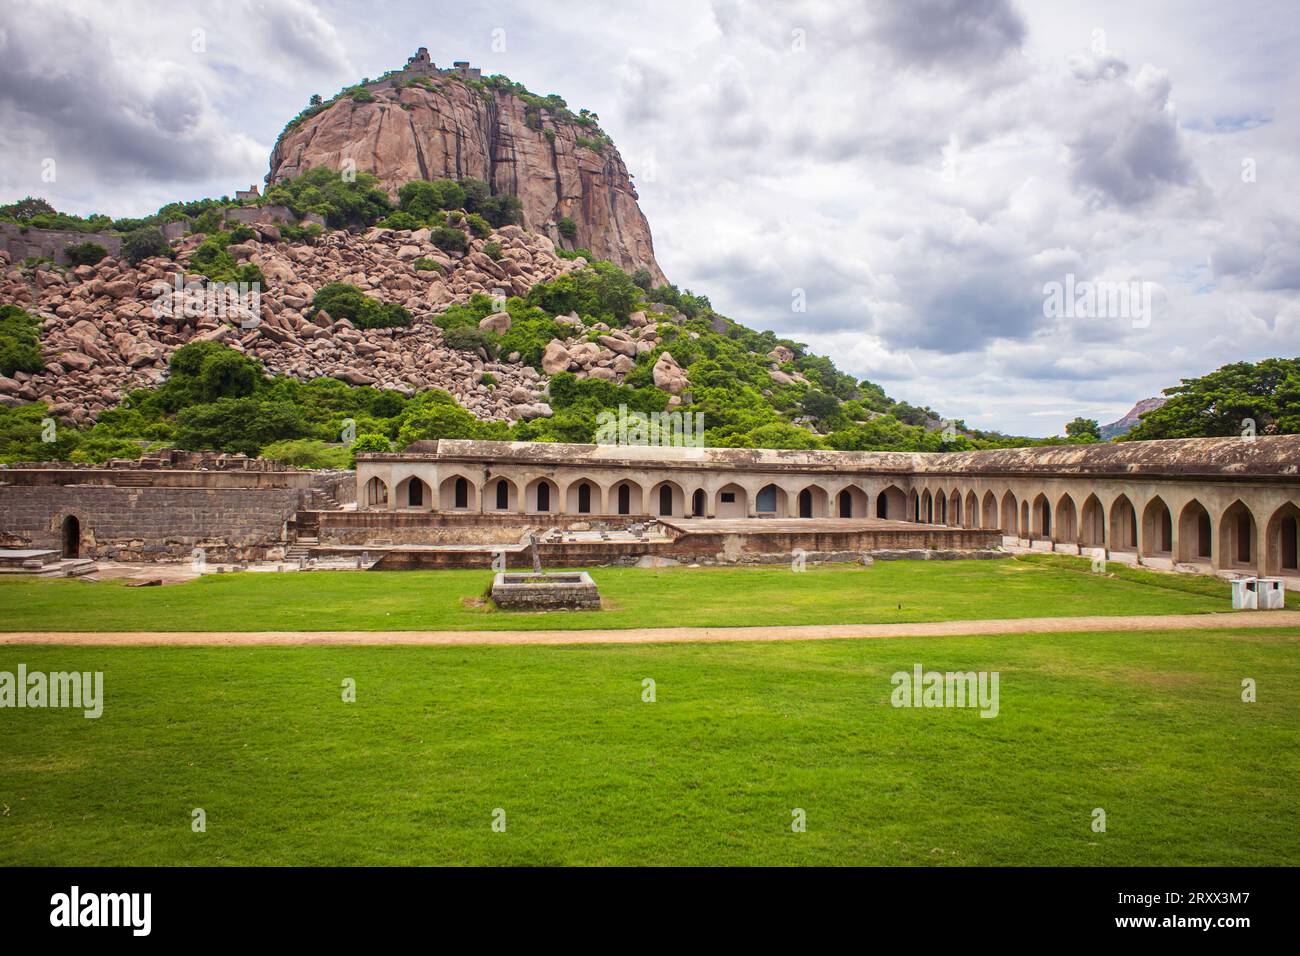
(1213,504)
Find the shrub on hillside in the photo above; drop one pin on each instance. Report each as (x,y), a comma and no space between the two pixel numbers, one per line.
(568,228)
(144,243)
(357,201)
(502,210)
(84,253)
(422,198)
(20,341)
(237,425)
(449,239)
(343,301)
(401,220)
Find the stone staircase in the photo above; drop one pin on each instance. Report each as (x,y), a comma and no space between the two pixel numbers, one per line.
(301,548)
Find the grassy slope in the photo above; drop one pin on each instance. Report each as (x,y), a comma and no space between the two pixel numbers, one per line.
(1149,727)
(773,595)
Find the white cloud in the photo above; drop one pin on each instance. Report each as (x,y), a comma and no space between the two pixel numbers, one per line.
(919,170)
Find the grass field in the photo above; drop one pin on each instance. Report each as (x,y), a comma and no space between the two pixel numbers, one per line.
(898,591)
(1151,728)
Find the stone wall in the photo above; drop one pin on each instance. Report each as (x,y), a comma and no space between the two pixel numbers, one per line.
(150,523)
(50,243)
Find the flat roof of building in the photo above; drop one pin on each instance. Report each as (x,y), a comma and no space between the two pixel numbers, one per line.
(1275,456)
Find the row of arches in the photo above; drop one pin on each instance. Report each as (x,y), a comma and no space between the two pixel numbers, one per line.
(1151,528)
(665,498)
(1190,536)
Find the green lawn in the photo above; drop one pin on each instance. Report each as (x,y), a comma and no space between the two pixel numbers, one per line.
(897,591)
(1149,727)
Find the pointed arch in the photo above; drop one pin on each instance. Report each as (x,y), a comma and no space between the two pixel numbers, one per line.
(927,508)
(456,492)
(501,494)
(375,493)
(1041,517)
(731,501)
(1066,528)
(414,493)
(1157,529)
(583,497)
(971,511)
(667,499)
(989,511)
(626,498)
(1123,525)
(1237,537)
(771,501)
(1282,547)
(939,507)
(541,496)
(1195,534)
(852,502)
(1010,514)
(891,504)
(812,502)
(1092,523)
(699,503)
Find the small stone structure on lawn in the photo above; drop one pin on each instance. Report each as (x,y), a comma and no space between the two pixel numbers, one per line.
(553,591)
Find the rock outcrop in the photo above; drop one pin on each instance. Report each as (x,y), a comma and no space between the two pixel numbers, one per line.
(111,327)
(453,130)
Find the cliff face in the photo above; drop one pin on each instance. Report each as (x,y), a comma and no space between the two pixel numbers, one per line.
(456,131)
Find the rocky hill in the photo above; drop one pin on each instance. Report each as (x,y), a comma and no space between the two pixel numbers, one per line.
(1124,425)
(423,123)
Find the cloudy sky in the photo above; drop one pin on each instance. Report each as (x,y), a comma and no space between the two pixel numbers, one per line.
(915,172)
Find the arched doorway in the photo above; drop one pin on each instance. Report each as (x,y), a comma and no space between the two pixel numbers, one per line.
(624,500)
(1195,533)
(1092,530)
(698,503)
(989,511)
(1067,521)
(1009,514)
(892,503)
(376,493)
(666,500)
(1237,537)
(845,504)
(71,537)
(1157,528)
(805,503)
(1281,536)
(503,495)
(1123,525)
(1042,518)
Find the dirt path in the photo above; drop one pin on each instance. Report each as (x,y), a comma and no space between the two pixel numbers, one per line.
(664,635)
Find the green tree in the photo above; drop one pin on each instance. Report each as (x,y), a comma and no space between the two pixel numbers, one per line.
(145,243)
(237,425)
(1083,429)
(1265,394)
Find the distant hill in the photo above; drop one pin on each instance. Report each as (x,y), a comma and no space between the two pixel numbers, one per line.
(1123,425)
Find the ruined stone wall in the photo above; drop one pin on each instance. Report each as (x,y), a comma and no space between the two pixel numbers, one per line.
(150,523)
(50,243)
